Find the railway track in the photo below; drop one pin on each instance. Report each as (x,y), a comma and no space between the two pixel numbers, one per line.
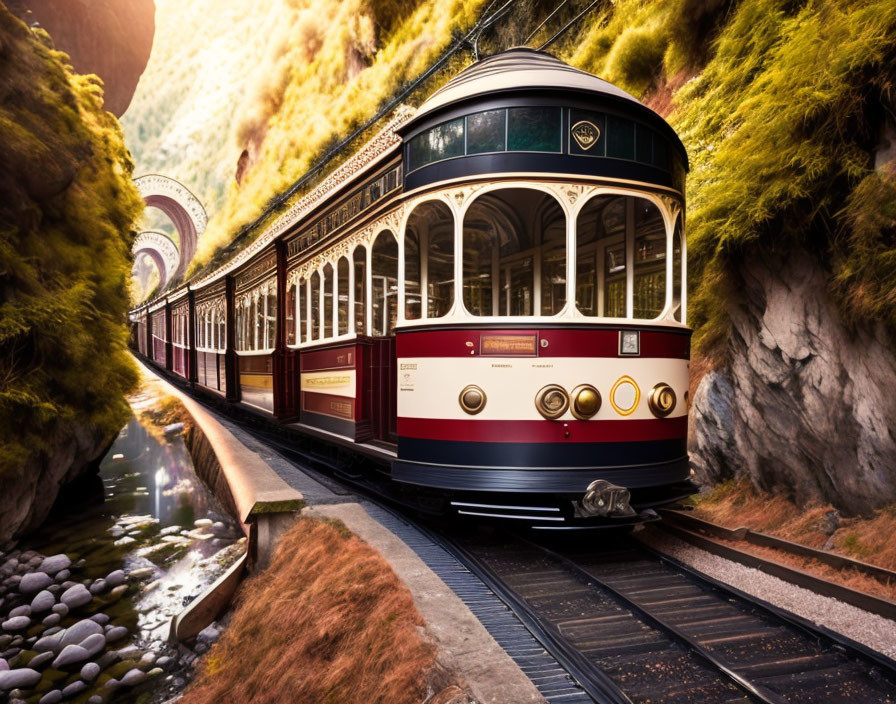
(640,628)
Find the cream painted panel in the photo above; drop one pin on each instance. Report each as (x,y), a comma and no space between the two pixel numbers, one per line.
(339,382)
(428,387)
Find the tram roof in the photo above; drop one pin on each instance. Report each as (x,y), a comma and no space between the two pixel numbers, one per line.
(523,69)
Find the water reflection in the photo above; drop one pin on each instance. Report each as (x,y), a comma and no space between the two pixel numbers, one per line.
(157,521)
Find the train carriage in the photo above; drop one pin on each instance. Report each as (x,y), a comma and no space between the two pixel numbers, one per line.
(488,299)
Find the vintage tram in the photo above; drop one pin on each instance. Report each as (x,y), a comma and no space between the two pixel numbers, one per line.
(487,301)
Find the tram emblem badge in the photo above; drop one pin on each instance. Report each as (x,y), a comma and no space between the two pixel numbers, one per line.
(586,134)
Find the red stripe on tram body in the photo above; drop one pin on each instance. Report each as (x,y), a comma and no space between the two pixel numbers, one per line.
(547,431)
(548,342)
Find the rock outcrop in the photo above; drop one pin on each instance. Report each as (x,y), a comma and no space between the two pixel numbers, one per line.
(803,405)
(111,38)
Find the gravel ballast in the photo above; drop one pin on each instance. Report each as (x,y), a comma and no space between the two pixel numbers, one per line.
(869,629)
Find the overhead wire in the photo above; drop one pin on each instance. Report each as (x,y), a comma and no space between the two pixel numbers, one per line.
(545,21)
(568,25)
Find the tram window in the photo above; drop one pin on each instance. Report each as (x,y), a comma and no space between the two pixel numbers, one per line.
(342,291)
(315,306)
(441,142)
(270,326)
(620,138)
(650,260)
(222,330)
(412,267)
(359,261)
(509,237)
(439,260)
(384,296)
(661,153)
(302,314)
(329,288)
(600,257)
(676,272)
(643,144)
(291,314)
(533,129)
(486,132)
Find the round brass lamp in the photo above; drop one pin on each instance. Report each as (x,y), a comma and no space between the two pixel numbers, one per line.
(585,401)
(552,401)
(472,399)
(661,400)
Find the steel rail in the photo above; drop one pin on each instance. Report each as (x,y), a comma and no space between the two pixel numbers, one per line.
(756,691)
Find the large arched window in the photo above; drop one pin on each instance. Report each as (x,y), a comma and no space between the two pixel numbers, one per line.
(302,316)
(291,318)
(429,261)
(359,261)
(315,306)
(384,289)
(677,312)
(514,251)
(620,258)
(342,295)
(329,282)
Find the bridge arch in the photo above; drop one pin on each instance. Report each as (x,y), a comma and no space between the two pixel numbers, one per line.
(182,207)
(161,250)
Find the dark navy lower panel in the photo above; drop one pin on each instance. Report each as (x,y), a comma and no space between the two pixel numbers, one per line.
(333,425)
(540,454)
(537,480)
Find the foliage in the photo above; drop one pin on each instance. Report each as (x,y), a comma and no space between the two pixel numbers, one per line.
(780,118)
(66,209)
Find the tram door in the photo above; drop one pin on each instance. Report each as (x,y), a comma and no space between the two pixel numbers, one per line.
(384,309)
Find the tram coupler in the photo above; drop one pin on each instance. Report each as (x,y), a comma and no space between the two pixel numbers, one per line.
(604,499)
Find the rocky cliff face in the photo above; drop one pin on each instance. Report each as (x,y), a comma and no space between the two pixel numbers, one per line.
(111,38)
(804,405)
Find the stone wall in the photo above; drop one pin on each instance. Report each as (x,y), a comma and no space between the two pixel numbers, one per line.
(804,405)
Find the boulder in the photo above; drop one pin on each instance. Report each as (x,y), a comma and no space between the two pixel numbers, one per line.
(21,678)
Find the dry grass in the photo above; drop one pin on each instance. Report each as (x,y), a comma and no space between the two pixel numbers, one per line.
(737,503)
(328,622)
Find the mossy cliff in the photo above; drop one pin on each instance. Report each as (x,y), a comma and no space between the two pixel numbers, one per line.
(67,205)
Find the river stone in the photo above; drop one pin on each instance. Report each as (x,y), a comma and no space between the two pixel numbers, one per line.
(76,596)
(63,576)
(209,634)
(90,671)
(49,643)
(17,623)
(70,655)
(4,666)
(164,661)
(33,582)
(112,683)
(44,601)
(147,659)
(74,689)
(94,644)
(52,620)
(116,633)
(101,619)
(79,631)
(40,659)
(23,610)
(61,609)
(118,592)
(53,630)
(95,699)
(55,564)
(23,677)
(142,572)
(202,522)
(98,587)
(114,579)
(133,677)
(53,697)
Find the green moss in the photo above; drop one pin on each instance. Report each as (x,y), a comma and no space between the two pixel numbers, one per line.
(636,57)
(66,210)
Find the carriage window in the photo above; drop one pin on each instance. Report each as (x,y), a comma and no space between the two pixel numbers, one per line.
(384,294)
(329,289)
(676,273)
(600,257)
(620,138)
(441,142)
(650,260)
(222,329)
(643,144)
(359,259)
(270,336)
(291,314)
(533,129)
(514,248)
(412,267)
(487,132)
(315,306)
(302,314)
(342,289)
